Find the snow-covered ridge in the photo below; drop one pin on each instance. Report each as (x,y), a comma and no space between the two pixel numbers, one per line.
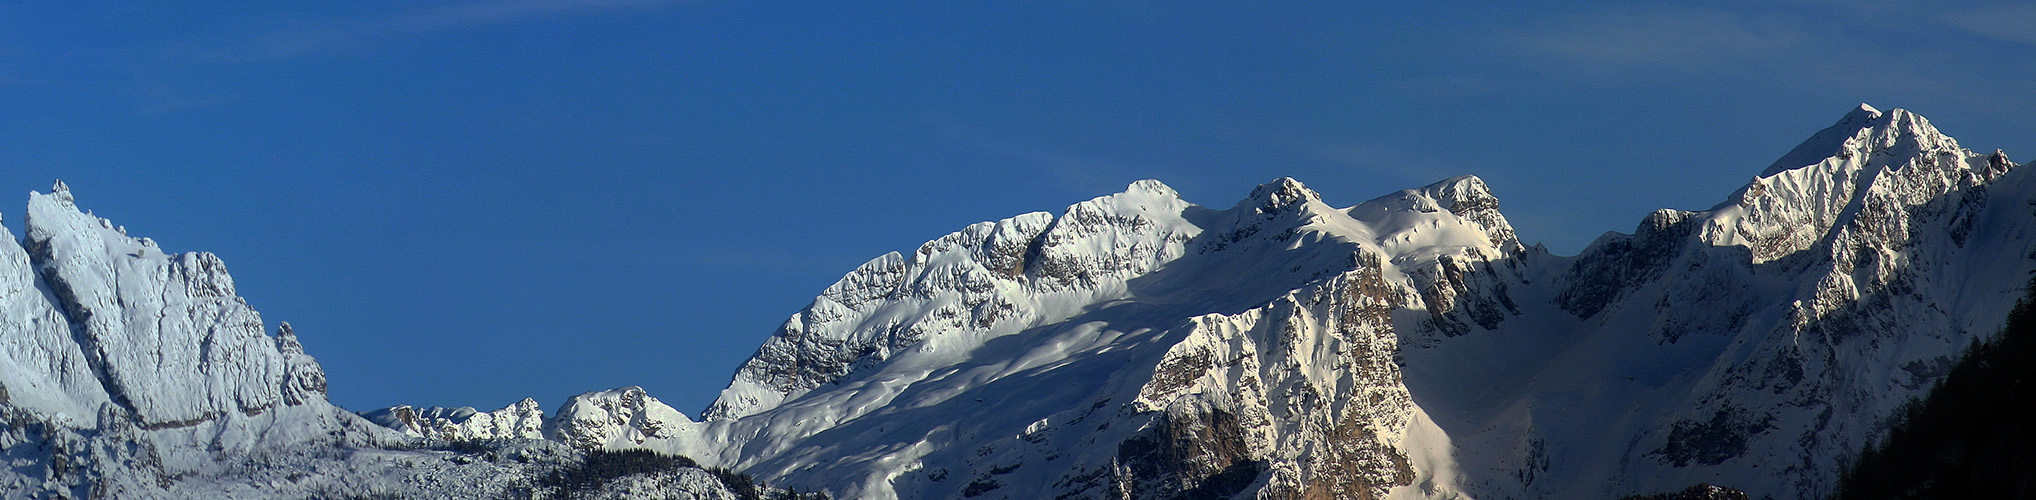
(1720,302)
(988,279)
(521,420)
(1108,376)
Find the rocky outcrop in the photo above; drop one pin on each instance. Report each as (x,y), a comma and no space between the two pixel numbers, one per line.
(521,420)
(1700,491)
(303,379)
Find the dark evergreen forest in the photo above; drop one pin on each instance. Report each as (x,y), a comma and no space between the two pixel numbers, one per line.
(1974,436)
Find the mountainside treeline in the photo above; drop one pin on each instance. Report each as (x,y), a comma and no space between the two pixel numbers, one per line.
(1973,437)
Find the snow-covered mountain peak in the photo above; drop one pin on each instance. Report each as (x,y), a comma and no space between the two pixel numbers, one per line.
(1151,188)
(1461,194)
(1853,179)
(166,334)
(1895,157)
(1458,212)
(1472,202)
(1865,129)
(1279,195)
(616,418)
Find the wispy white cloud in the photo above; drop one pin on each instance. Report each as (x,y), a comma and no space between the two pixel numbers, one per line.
(2006,22)
(290,37)
(1392,164)
(2011,21)
(175,75)
(1677,39)
(1834,49)
(483,13)
(1080,173)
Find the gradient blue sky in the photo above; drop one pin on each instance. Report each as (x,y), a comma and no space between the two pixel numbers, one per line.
(473,201)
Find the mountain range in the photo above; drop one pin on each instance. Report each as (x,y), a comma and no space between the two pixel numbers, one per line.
(1134,346)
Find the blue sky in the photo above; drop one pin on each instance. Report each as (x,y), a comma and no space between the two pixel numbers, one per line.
(471,202)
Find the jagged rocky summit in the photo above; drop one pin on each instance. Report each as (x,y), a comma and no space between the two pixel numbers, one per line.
(1140,346)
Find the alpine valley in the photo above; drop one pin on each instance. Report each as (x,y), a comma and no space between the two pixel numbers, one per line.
(1133,346)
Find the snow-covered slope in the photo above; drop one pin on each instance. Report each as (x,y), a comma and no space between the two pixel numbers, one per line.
(1130,346)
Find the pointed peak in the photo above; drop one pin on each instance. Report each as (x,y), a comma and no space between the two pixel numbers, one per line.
(1461,194)
(1151,187)
(1910,122)
(286,340)
(611,393)
(1863,120)
(1461,180)
(1280,193)
(1998,161)
(1464,196)
(62,192)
